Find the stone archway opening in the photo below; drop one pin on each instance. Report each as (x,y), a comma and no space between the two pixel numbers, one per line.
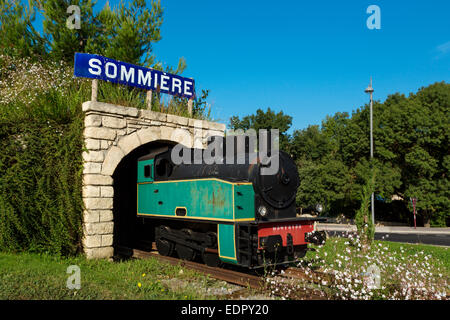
(129,230)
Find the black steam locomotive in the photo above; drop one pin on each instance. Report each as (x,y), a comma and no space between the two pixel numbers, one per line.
(227,212)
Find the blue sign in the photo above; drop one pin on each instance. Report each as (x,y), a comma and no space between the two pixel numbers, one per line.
(98,67)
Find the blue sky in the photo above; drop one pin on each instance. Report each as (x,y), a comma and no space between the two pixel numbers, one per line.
(307,58)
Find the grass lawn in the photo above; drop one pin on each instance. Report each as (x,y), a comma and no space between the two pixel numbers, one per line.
(33,276)
(405,270)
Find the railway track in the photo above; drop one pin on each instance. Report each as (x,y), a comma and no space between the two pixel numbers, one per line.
(231,276)
(244,279)
(283,284)
(317,277)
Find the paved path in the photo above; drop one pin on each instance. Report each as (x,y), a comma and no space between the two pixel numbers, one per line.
(435,236)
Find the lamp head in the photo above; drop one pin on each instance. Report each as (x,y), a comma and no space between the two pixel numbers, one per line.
(369,89)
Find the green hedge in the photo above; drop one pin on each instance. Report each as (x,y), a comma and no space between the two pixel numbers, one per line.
(41,174)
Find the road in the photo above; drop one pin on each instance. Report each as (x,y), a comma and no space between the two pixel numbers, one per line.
(434,236)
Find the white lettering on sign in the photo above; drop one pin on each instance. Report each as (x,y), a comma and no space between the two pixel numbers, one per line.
(176,83)
(116,71)
(95,63)
(187,87)
(107,68)
(164,79)
(290,227)
(144,80)
(124,75)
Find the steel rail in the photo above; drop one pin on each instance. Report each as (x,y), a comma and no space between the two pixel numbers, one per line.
(231,276)
(235,277)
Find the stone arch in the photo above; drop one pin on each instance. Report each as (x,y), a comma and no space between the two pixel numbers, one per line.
(128,143)
(111,133)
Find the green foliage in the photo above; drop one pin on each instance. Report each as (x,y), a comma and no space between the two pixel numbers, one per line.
(18,35)
(363,219)
(41,138)
(124,33)
(127,33)
(265,120)
(326,182)
(40,181)
(411,155)
(41,122)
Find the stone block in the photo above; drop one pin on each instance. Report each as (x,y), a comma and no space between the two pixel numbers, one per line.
(100,133)
(129,143)
(98,203)
(92,144)
(106,215)
(182,136)
(109,108)
(107,240)
(99,253)
(107,191)
(93,156)
(91,216)
(166,133)
(91,191)
(196,123)
(153,115)
(177,120)
(92,120)
(149,134)
(96,228)
(97,180)
(112,159)
(214,125)
(92,241)
(114,122)
(92,167)
(105,144)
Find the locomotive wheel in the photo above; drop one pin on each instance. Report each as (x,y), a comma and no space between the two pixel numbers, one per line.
(211,259)
(185,253)
(165,247)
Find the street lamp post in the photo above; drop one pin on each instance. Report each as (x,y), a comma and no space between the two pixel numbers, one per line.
(370,90)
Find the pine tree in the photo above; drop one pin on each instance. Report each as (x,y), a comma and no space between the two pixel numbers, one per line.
(17,34)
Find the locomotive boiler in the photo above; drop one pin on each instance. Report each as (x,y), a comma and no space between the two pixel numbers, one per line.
(224,212)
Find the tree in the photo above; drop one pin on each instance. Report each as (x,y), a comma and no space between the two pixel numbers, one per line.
(411,156)
(129,32)
(326,182)
(265,120)
(125,33)
(363,221)
(18,35)
(310,144)
(411,134)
